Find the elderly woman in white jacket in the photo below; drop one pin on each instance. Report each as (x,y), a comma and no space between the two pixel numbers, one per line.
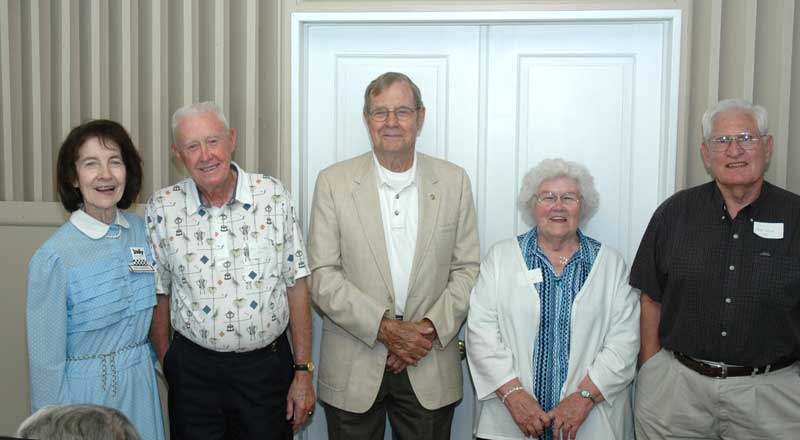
(553,327)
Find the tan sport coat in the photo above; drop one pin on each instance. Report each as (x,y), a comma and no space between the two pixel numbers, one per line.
(351,282)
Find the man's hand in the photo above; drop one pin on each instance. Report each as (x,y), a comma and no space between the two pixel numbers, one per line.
(432,335)
(301,400)
(409,341)
(394,364)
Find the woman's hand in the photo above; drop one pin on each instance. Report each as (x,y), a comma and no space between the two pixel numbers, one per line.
(569,415)
(527,413)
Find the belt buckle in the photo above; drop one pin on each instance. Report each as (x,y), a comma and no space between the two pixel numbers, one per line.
(724,373)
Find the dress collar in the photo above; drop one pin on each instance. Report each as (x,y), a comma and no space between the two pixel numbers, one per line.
(93,228)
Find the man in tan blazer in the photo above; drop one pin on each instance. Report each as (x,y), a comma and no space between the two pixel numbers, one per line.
(394,253)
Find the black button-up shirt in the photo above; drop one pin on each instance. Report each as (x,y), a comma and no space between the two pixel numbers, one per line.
(728,292)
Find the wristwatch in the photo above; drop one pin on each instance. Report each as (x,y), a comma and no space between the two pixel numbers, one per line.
(308,366)
(588,395)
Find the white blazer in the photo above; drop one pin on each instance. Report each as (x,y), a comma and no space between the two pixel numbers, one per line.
(501,334)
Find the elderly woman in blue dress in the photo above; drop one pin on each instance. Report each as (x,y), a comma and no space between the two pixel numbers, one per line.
(553,326)
(91,287)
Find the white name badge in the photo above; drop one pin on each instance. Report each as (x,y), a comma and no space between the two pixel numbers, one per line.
(535,275)
(139,261)
(772,231)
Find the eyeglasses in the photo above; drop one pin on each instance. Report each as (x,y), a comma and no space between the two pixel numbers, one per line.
(194,146)
(745,140)
(550,198)
(382,114)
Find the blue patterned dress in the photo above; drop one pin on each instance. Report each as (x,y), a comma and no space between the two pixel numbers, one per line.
(556,294)
(88,318)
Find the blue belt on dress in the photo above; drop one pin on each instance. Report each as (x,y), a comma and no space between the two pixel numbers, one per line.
(108,361)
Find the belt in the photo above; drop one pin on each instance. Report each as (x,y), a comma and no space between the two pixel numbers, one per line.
(272,347)
(720,370)
(108,361)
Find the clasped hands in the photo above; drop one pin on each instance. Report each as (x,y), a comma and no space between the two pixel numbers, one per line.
(565,418)
(407,341)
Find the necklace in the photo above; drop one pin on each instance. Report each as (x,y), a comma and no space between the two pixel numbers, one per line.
(563,260)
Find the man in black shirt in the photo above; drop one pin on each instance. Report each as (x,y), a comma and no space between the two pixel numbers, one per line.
(719,271)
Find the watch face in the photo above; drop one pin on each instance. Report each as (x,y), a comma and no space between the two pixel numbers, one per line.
(309,366)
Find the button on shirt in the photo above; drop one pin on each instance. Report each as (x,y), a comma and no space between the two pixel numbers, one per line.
(399,199)
(227,268)
(729,288)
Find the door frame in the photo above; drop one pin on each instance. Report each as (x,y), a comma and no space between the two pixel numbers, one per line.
(674,104)
(674,112)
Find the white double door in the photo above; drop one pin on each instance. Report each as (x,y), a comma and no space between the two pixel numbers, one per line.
(500,98)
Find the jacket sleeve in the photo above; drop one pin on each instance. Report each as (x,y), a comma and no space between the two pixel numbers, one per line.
(615,365)
(338,298)
(449,311)
(491,360)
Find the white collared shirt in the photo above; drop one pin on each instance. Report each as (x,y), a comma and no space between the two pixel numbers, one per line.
(92,227)
(227,268)
(399,200)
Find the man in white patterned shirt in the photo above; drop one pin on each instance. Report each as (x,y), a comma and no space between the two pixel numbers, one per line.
(230,278)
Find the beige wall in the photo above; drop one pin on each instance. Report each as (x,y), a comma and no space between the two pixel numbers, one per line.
(62,61)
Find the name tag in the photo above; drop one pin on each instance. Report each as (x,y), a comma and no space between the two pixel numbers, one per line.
(535,275)
(139,261)
(773,231)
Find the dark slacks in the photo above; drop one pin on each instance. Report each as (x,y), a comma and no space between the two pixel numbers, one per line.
(408,418)
(214,395)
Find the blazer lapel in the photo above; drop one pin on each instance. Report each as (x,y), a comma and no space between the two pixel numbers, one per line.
(367,203)
(429,202)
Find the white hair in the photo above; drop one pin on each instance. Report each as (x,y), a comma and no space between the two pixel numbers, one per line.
(195,109)
(758,113)
(553,168)
(78,422)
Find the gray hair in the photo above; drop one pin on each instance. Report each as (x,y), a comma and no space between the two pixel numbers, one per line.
(551,169)
(196,109)
(384,81)
(78,422)
(758,113)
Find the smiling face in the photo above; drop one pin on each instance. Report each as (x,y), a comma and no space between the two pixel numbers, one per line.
(736,167)
(394,136)
(557,221)
(205,147)
(101,177)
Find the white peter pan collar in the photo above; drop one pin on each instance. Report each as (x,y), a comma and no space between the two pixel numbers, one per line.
(93,228)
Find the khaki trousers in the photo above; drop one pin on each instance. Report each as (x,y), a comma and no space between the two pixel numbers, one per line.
(674,402)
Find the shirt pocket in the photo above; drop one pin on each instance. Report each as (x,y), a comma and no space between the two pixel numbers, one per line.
(776,280)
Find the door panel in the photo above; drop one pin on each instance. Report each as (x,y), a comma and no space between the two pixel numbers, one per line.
(583,92)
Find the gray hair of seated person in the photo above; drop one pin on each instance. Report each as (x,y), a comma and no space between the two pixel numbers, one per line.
(758,113)
(78,422)
(196,109)
(553,169)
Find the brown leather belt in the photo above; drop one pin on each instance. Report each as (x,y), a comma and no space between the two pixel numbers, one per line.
(721,371)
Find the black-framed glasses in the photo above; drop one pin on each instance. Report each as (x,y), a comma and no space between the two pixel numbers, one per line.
(550,198)
(745,140)
(401,113)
